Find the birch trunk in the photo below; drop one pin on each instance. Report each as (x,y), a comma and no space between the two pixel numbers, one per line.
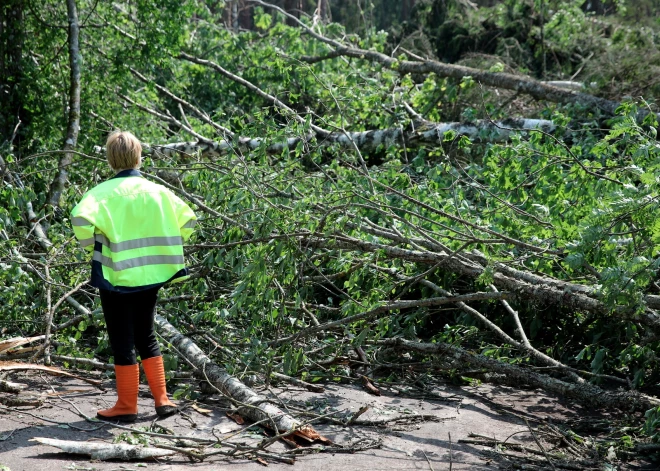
(432,134)
(253,406)
(518,83)
(104,451)
(520,285)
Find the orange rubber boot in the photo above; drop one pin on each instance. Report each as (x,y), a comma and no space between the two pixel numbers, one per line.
(128,381)
(155,372)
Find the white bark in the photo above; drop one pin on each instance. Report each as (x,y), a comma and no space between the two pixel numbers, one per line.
(424,134)
(566,84)
(104,451)
(252,405)
(37,228)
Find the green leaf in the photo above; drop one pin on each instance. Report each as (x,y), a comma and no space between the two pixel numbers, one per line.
(262,20)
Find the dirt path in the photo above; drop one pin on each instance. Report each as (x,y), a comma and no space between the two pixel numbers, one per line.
(406,444)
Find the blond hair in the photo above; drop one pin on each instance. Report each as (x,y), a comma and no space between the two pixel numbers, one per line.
(123,150)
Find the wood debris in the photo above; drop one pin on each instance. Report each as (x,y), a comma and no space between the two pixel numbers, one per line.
(369,386)
(9,344)
(14,366)
(104,451)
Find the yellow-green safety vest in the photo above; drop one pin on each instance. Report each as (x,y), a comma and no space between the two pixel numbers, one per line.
(135,229)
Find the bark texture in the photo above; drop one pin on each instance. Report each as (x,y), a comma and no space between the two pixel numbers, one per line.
(104,451)
(73,127)
(252,405)
(418,135)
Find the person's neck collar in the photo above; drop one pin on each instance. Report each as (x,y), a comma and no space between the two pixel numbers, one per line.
(129,172)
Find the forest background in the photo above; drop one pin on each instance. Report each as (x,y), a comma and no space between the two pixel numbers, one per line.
(388,190)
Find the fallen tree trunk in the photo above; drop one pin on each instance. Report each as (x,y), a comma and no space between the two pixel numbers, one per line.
(416,136)
(419,133)
(583,392)
(520,285)
(105,451)
(517,83)
(251,405)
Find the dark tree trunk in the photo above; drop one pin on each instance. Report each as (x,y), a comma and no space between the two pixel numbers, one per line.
(600,7)
(323,10)
(245,18)
(12,108)
(406,9)
(293,7)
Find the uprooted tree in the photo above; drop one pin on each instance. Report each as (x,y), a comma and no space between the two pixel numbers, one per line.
(352,197)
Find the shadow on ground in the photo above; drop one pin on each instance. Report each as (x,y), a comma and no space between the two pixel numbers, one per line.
(406,444)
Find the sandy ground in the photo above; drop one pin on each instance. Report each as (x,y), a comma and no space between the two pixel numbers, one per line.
(494,411)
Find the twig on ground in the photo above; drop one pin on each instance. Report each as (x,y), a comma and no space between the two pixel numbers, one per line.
(539,445)
(298,382)
(429,461)
(357,414)
(451,460)
(21,411)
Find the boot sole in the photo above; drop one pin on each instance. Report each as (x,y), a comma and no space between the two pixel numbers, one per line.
(126,418)
(166,411)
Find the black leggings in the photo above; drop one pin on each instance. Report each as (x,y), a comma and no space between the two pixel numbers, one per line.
(130,321)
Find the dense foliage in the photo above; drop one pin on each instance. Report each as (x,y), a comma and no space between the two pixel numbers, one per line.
(320,232)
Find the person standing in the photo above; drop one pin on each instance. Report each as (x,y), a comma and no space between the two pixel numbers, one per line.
(135,230)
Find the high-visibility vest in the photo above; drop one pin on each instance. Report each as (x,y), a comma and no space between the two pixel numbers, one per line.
(135,229)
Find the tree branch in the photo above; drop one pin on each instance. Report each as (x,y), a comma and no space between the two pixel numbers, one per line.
(583,392)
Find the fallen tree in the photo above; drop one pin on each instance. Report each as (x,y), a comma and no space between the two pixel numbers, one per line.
(416,135)
(585,393)
(309,265)
(520,84)
(520,285)
(250,404)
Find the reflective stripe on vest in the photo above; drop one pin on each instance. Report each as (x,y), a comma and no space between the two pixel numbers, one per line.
(138,261)
(86,242)
(139,243)
(78,221)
